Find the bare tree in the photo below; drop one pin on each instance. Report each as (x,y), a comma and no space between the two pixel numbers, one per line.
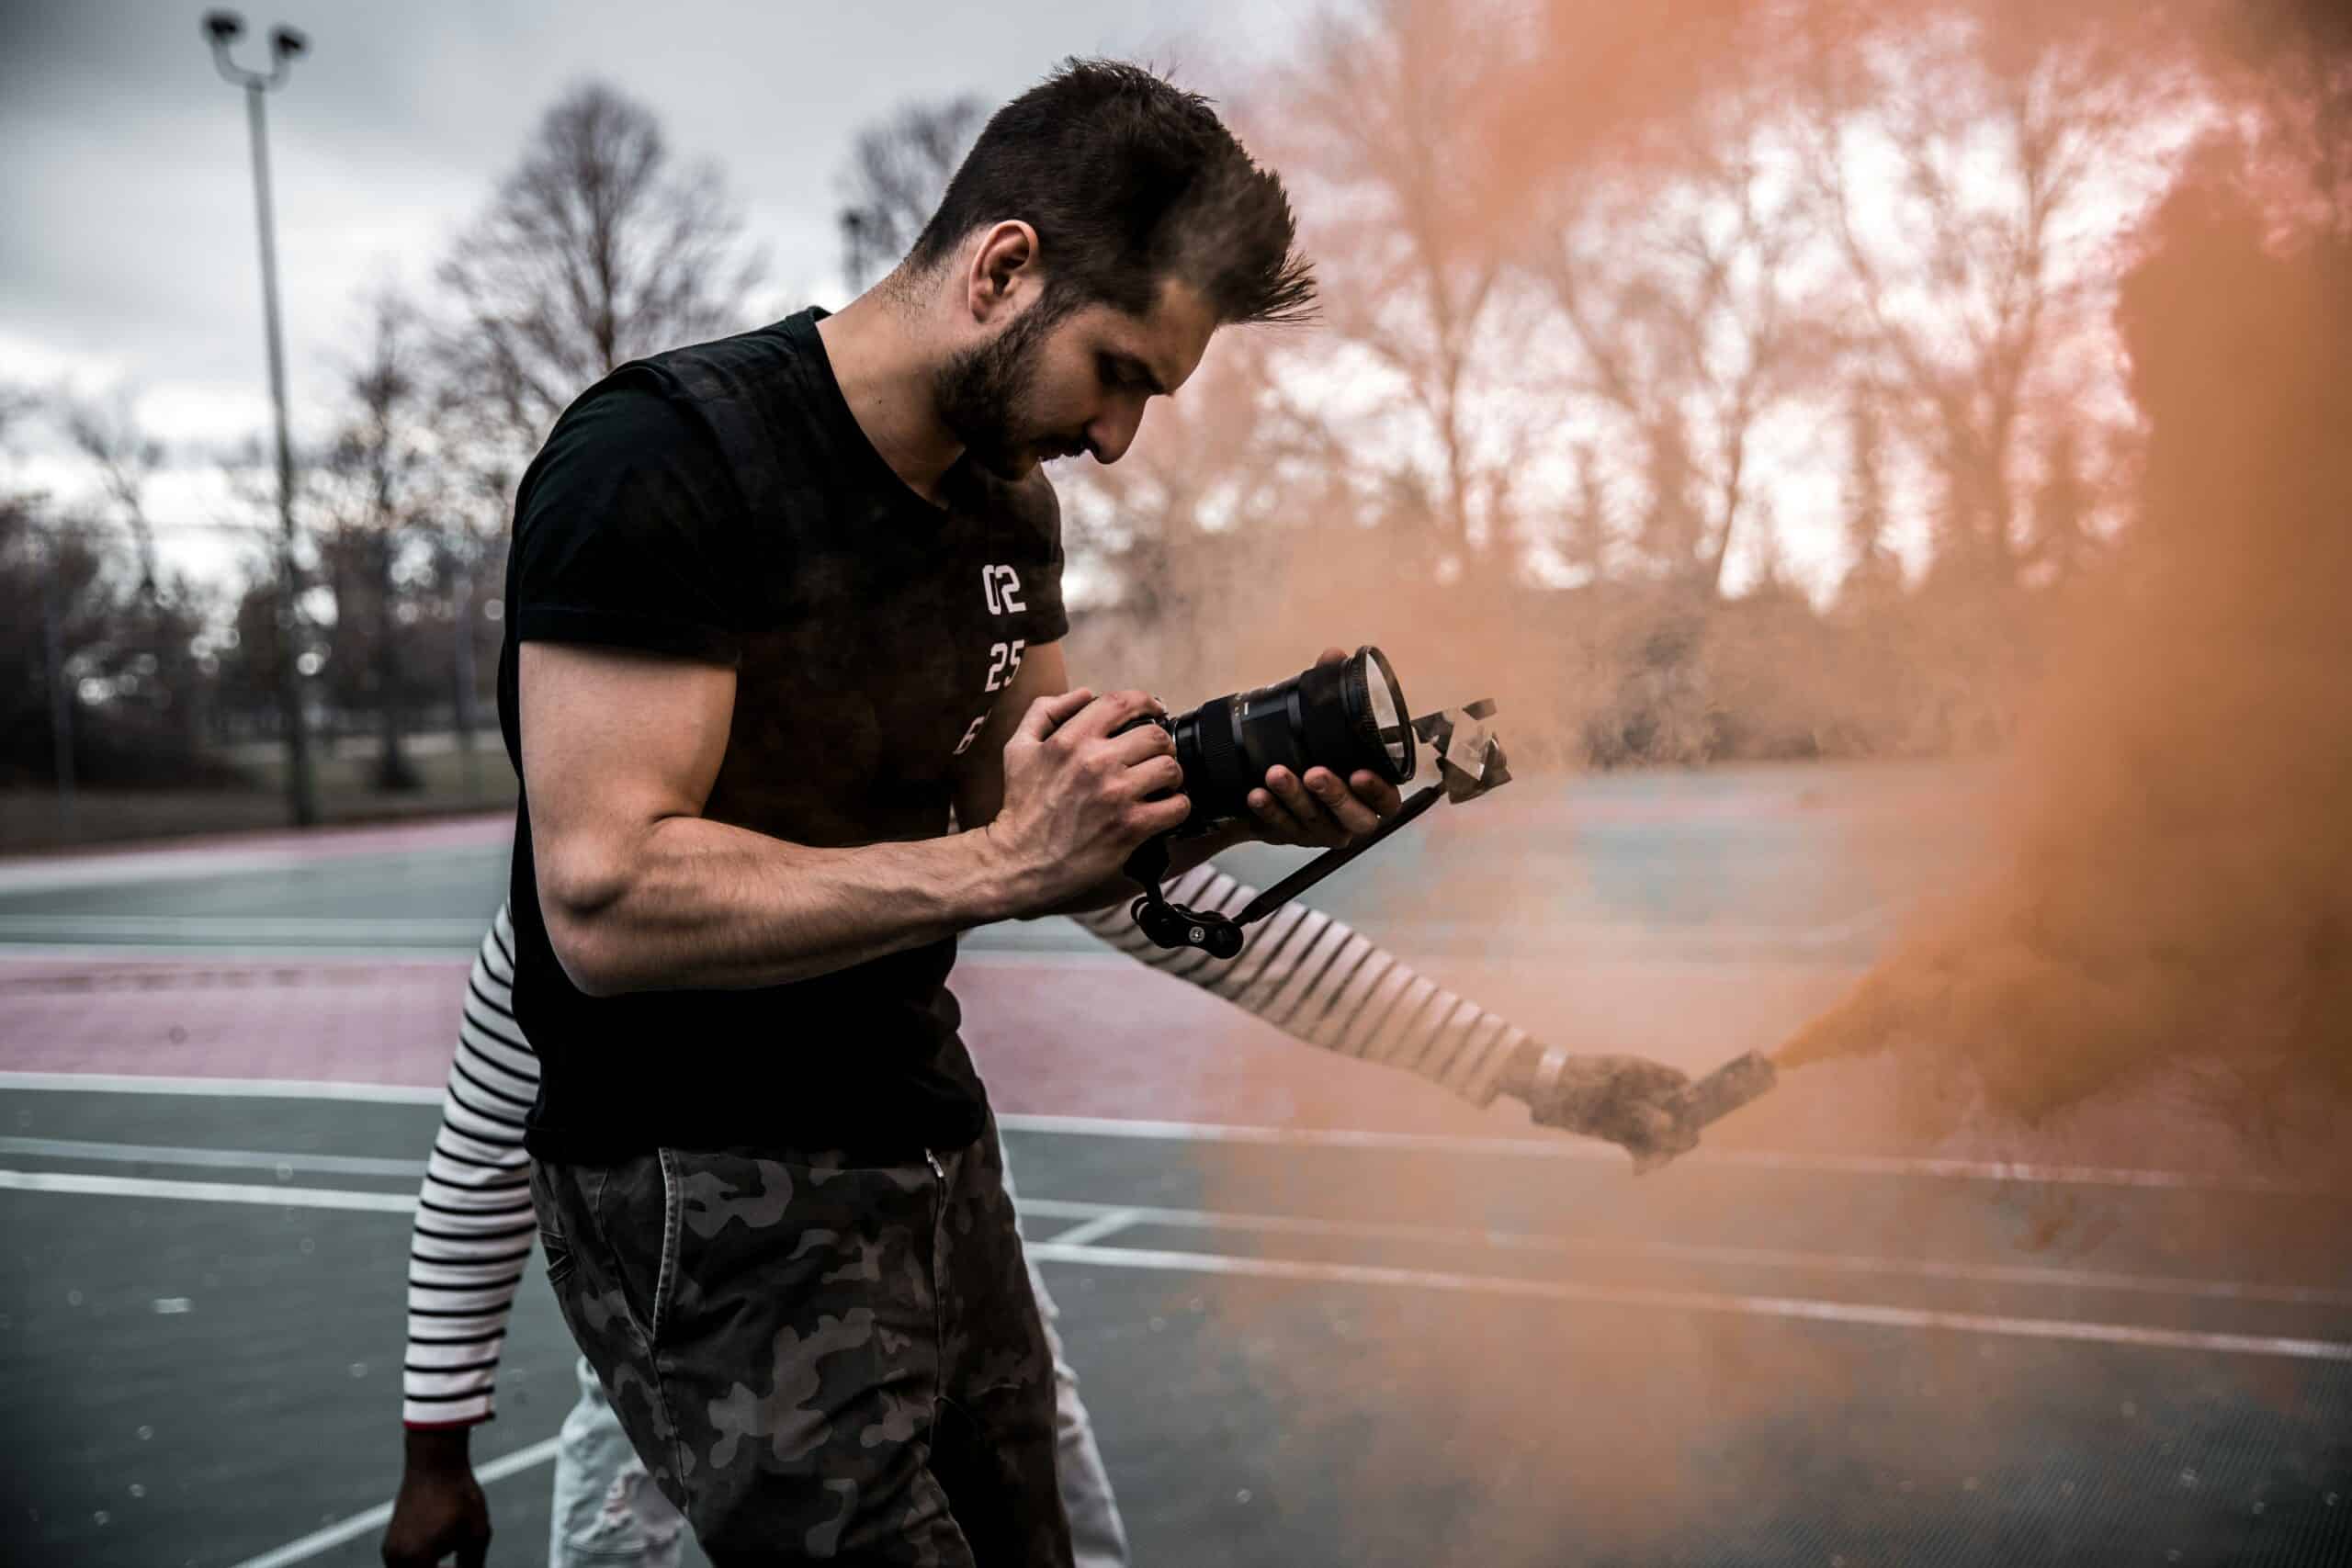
(1376,131)
(106,430)
(1975,264)
(1585,546)
(148,649)
(898,171)
(2061,533)
(1868,519)
(377,481)
(1673,277)
(600,247)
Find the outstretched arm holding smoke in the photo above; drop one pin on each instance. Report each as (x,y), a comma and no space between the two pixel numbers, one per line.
(1327,984)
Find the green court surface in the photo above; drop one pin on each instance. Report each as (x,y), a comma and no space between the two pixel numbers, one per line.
(1547,1362)
(1420,1338)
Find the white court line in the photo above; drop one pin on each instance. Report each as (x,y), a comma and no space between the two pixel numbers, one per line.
(1801,1308)
(1590,1150)
(206,1192)
(238,1159)
(230,1089)
(1113,1218)
(1105,1221)
(359,1524)
(1096,1222)
(320,850)
(1583,1149)
(203,934)
(1063,1250)
(375,953)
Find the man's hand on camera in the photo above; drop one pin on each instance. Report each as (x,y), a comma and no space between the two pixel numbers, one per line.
(1635,1103)
(1080,797)
(1322,810)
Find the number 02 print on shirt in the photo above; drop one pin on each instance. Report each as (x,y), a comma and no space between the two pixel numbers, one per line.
(1000,587)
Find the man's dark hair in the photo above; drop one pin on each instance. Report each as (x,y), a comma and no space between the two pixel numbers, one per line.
(1128,180)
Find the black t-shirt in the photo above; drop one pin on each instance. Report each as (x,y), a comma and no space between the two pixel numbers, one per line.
(720,503)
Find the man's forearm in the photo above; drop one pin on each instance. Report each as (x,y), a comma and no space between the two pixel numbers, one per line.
(707,906)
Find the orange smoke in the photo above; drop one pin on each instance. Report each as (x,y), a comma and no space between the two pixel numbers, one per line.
(2177,888)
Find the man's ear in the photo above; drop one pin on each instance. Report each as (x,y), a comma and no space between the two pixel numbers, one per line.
(1003,270)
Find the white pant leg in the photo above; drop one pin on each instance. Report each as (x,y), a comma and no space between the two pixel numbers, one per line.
(1098,1538)
(609,1513)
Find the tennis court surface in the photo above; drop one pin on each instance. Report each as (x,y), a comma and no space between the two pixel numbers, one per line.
(1321,1313)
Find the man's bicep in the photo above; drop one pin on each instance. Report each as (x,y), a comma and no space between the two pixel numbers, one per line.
(979,779)
(613,741)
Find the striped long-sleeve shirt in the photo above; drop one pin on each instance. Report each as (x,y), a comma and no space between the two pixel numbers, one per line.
(1300,970)
(474,1226)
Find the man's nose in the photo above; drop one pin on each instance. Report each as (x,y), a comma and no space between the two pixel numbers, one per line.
(1110,435)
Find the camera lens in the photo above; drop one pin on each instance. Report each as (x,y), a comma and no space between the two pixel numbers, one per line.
(1346,716)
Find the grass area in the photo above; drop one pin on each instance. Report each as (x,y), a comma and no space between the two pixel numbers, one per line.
(453,784)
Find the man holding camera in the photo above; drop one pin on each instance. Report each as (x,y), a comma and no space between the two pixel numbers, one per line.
(780,605)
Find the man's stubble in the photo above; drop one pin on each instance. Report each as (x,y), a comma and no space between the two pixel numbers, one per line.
(982,395)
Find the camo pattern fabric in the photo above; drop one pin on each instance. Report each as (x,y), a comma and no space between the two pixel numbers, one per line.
(819,1360)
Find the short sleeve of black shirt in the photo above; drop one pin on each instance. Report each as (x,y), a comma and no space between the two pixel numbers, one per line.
(627,528)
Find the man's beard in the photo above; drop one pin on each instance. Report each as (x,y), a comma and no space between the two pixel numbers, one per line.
(981,392)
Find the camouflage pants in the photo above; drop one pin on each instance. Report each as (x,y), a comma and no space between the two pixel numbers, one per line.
(818,1361)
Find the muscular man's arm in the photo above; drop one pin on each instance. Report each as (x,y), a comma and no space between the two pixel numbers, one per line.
(639,890)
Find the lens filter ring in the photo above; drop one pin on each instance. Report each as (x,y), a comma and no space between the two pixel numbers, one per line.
(1375,709)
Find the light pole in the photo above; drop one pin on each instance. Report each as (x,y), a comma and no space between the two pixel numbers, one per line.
(222,28)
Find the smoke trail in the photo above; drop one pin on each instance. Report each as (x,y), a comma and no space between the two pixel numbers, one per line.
(2174,890)
(2177,890)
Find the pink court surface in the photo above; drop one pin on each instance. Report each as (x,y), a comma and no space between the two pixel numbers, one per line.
(1061,1025)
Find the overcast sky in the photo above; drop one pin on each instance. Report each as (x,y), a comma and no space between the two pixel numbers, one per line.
(127,247)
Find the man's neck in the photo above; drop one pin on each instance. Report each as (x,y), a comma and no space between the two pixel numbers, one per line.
(887,380)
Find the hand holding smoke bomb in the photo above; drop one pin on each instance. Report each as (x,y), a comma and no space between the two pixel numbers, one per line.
(1652,1111)
(1626,1101)
(1703,1101)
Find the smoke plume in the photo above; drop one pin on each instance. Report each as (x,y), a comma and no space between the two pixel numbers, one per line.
(2176,887)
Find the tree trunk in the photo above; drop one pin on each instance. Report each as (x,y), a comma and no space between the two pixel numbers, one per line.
(394,772)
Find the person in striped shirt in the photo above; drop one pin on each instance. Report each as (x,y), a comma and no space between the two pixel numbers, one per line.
(1302,970)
